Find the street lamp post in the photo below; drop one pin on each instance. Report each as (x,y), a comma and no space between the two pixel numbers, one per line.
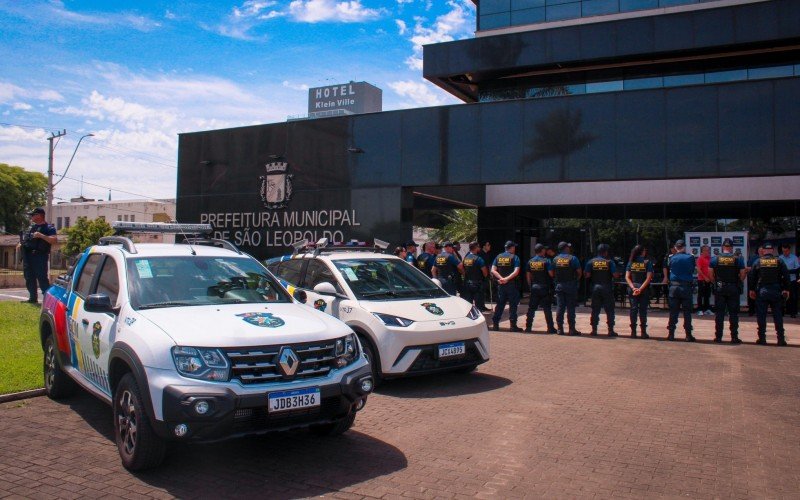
(50,185)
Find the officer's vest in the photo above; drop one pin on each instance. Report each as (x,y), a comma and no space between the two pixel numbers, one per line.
(38,244)
(505,264)
(472,271)
(727,269)
(422,263)
(446,268)
(601,271)
(563,272)
(769,271)
(537,266)
(639,269)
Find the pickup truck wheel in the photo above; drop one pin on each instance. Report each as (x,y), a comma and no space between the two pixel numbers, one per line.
(57,384)
(335,428)
(373,362)
(139,446)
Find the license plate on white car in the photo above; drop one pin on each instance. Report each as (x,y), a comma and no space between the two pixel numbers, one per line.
(452,349)
(293,400)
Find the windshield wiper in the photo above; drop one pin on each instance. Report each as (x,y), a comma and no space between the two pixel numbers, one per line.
(164,304)
(390,293)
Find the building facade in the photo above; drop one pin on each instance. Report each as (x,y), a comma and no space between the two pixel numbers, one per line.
(599,109)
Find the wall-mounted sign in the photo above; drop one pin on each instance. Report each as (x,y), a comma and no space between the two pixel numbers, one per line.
(352,98)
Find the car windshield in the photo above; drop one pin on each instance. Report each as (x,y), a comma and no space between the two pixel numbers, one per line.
(386,279)
(195,281)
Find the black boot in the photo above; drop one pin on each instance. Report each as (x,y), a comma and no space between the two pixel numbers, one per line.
(690,337)
(495,326)
(671,335)
(611,332)
(514,327)
(782,340)
(551,329)
(560,330)
(573,331)
(633,331)
(644,332)
(594,331)
(528,325)
(735,338)
(762,339)
(718,337)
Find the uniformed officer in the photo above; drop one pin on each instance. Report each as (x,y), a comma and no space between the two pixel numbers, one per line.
(537,273)
(601,271)
(426,259)
(475,273)
(505,269)
(566,273)
(35,244)
(638,275)
(411,252)
(727,274)
(447,268)
(681,273)
(769,285)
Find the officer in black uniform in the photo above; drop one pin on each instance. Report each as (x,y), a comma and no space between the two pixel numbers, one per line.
(538,276)
(566,273)
(727,274)
(475,273)
(35,245)
(601,271)
(447,268)
(768,282)
(427,258)
(505,269)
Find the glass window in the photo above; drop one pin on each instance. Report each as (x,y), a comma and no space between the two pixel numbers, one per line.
(599,7)
(317,272)
(133,218)
(386,279)
(671,3)
(626,5)
(527,16)
(680,80)
(797,70)
(526,4)
(66,221)
(726,76)
(564,11)
(595,87)
(290,271)
(109,280)
(652,82)
(578,88)
(494,6)
(119,217)
(493,21)
(59,221)
(83,287)
(770,72)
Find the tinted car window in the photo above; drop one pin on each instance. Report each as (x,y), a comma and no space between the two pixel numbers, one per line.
(87,275)
(109,280)
(290,270)
(316,273)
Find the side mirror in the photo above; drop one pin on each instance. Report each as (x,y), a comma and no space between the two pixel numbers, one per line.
(300,296)
(325,288)
(99,303)
(437,282)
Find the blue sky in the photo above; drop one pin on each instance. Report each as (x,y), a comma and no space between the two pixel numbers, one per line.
(135,74)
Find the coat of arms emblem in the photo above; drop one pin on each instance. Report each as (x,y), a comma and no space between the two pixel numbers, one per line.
(276,185)
(433,308)
(96,329)
(265,320)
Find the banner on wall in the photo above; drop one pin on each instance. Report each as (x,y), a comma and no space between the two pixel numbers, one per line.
(713,239)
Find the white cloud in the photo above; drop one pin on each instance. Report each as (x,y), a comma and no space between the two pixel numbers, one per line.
(55,12)
(315,11)
(420,93)
(16,134)
(294,86)
(10,93)
(456,23)
(252,8)
(401,26)
(21,106)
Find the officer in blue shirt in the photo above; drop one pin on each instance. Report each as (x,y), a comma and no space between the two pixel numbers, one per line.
(681,274)
(474,274)
(35,244)
(411,252)
(505,270)
(538,275)
(447,268)
(427,258)
(566,272)
(727,275)
(768,282)
(601,271)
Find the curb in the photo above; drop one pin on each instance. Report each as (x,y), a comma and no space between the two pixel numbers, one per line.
(16,396)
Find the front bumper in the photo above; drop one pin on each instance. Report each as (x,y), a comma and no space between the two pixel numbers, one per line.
(234,415)
(424,359)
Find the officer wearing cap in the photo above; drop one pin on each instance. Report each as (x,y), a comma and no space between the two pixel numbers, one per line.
(727,274)
(681,273)
(638,275)
(427,258)
(601,271)
(474,274)
(505,269)
(35,244)
(768,282)
(537,272)
(566,272)
(447,267)
(411,252)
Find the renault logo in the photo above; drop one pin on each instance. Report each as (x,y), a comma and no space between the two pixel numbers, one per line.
(288,361)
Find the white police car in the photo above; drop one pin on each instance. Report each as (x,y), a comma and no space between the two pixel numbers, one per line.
(406,323)
(195,342)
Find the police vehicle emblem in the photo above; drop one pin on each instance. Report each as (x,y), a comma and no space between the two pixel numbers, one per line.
(265,320)
(320,305)
(433,308)
(96,329)
(276,185)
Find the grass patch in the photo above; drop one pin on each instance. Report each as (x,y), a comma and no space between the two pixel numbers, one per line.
(20,348)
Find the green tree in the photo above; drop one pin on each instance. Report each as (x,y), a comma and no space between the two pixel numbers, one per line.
(462,225)
(85,233)
(21,192)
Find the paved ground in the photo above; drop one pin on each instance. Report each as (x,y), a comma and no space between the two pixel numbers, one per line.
(549,416)
(14,294)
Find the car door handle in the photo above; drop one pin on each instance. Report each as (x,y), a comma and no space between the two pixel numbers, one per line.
(85,321)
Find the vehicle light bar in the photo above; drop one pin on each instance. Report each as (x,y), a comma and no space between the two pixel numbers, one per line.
(161,227)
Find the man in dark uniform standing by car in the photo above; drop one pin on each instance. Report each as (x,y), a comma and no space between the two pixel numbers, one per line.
(727,274)
(505,269)
(485,254)
(447,268)
(427,258)
(681,273)
(474,274)
(539,280)
(769,285)
(601,271)
(411,252)
(35,244)
(566,273)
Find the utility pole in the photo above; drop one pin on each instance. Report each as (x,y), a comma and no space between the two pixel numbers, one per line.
(54,135)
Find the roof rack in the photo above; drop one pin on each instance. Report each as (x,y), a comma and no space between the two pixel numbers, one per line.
(161,227)
(322,247)
(126,243)
(214,242)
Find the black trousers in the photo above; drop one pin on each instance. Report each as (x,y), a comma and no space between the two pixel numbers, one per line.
(602,298)
(703,295)
(540,296)
(472,292)
(566,300)
(680,299)
(791,302)
(727,299)
(34,270)
(639,305)
(769,296)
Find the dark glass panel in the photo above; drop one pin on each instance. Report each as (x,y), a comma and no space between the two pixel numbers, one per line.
(527,16)
(731,75)
(421,146)
(626,5)
(652,82)
(599,7)
(595,87)
(501,141)
(591,135)
(463,147)
(691,131)
(493,21)
(378,135)
(494,6)
(681,80)
(641,142)
(770,72)
(787,126)
(746,131)
(526,4)
(564,11)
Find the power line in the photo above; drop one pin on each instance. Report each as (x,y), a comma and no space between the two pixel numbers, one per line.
(123,153)
(109,187)
(32,127)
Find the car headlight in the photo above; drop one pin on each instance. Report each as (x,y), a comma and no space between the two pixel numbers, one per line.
(346,350)
(389,320)
(201,363)
(474,313)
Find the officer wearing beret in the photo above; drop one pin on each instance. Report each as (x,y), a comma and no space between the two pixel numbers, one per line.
(475,272)
(505,269)
(601,271)
(768,282)
(537,272)
(566,272)
(681,273)
(447,268)
(35,244)
(727,274)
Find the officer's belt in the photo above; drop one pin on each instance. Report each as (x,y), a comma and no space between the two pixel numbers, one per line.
(679,282)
